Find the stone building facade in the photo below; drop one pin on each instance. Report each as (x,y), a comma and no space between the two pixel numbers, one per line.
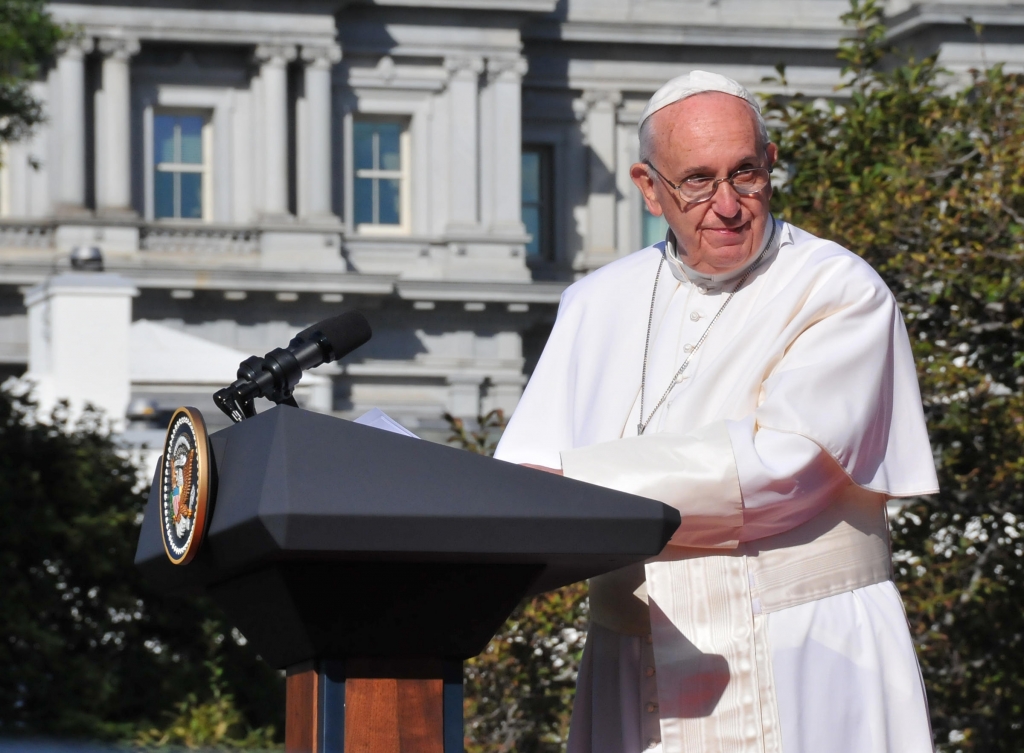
(445,166)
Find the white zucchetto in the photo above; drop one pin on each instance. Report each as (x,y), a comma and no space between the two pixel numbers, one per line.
(695,82)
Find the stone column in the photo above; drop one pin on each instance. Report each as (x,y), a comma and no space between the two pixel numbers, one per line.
(599,131)
(505,81)
(317,133)
(273,61)
(463,170)
(71,126)
(113,132)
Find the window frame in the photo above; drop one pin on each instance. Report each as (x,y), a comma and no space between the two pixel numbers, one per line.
(403,175)
(205,169)
(545,201)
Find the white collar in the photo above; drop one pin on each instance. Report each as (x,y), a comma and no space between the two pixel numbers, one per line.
(715,283)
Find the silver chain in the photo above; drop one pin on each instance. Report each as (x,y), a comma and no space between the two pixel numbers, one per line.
(640,427)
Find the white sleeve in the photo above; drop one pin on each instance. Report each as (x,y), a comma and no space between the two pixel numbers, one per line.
(729,481)
(785,479)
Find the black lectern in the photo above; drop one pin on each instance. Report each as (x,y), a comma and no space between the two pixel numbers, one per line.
(370,565)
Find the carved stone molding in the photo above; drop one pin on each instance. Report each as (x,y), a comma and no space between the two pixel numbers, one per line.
(323,57)
(511,70)
(275,54)
(602,99)
(119,48)
(76,47)
(463,67)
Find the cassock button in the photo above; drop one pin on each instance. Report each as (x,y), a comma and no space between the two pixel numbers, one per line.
(649,639)
(688,347)
(651,708)
(695,316)
(702,289)
(649,671)
(652,743)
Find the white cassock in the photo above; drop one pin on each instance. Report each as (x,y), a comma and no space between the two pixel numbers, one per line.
(773,623)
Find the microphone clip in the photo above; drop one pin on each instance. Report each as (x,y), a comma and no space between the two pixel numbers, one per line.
(237,400)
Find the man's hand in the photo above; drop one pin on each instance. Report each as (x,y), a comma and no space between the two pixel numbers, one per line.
(556,471)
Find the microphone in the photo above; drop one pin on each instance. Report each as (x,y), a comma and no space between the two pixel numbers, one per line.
(275,375)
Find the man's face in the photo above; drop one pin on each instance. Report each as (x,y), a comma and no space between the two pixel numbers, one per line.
(712,135)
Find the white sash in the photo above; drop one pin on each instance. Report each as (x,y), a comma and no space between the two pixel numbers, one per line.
(843,548)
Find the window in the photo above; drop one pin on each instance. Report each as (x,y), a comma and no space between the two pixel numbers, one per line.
(653,229)
(381,161)
(182,185)
(536,201)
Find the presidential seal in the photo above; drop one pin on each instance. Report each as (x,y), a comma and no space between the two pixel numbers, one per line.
(184,485)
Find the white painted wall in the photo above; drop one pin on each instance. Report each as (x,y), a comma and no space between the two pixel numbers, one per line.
(78,330)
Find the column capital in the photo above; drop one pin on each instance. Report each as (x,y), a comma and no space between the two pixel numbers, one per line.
(464,66)
(321,56)
(275,54)
(120,48)
(76,47)
(511,70)
(601,99)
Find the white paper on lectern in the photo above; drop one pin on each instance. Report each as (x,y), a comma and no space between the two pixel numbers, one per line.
(378,419)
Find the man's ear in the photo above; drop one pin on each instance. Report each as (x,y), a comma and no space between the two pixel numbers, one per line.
(642,179)
(772,152)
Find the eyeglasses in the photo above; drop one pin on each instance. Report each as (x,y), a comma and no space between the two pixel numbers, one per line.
(700,188)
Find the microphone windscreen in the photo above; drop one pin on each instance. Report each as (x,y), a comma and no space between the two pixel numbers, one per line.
(345,332)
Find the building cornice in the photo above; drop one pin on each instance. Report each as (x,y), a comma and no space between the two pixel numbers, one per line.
(717,35)
(32,269)
(924,15)
(210,26)
(513,6)
(484,292)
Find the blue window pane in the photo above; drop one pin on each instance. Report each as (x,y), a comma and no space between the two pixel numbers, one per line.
(163,138)
(390,146)
(163,194)
(654,228)
(363,204)
(531,177)
(191,195)
(191,139)
(390,202)
(363,146)
(531,218)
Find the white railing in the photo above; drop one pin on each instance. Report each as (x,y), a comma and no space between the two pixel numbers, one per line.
(27,234)
(205,239)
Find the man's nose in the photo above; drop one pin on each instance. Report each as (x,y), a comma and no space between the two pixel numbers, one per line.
(726,202)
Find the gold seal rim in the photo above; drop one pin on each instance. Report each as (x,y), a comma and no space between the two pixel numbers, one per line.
(202,483)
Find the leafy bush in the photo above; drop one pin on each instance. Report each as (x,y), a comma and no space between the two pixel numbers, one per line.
(88,650)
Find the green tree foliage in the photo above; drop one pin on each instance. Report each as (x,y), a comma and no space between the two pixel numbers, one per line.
(87,649)
(28,37)
(519,691)
(213,724)
(923,175)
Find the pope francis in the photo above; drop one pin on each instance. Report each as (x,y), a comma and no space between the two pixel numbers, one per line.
(760,380)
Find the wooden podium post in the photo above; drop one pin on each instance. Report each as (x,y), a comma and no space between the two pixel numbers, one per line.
(374,706)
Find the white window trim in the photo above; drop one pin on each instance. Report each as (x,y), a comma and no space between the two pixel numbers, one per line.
(217,104)
(404,176)
(205,169)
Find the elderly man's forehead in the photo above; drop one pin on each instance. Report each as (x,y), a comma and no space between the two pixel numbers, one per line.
(702,107)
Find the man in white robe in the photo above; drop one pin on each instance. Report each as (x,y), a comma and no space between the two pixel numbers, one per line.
(770,623)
